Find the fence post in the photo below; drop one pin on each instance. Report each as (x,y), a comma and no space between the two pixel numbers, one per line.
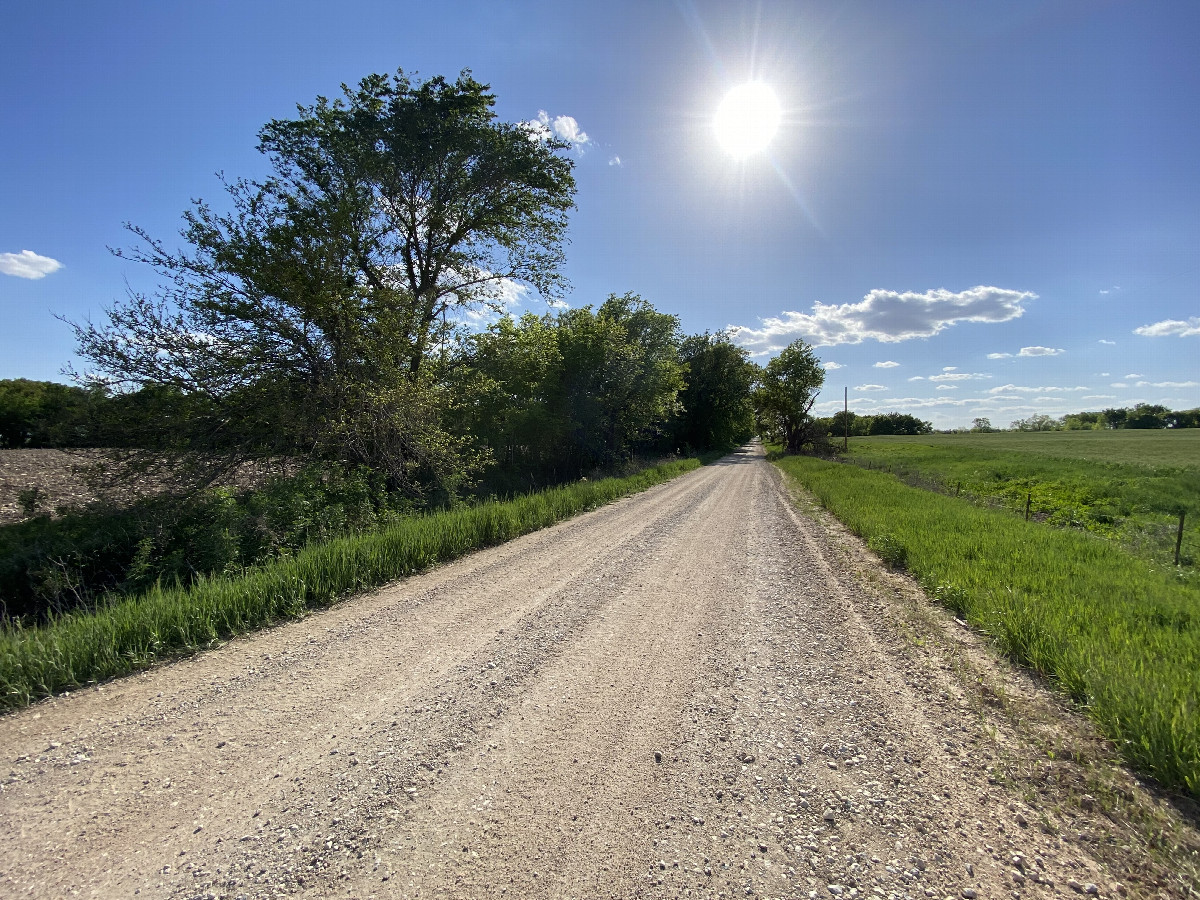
(1179,536)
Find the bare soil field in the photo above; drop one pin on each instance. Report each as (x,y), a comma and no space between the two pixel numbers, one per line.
(53,472)
(61,478)
(707,690)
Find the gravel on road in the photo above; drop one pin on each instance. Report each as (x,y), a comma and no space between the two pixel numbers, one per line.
(700,691)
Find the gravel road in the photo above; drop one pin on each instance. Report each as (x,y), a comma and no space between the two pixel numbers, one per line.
(685,693)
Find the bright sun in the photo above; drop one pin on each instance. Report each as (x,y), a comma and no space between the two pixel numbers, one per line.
(747,119)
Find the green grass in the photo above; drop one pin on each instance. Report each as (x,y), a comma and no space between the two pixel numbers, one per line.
(1165,447)
(1119,635)
(132,634)
(1127,486)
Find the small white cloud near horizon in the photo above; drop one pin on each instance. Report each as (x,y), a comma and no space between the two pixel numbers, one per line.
(28,264)
(947,387)
(1168,384)
(1040,351)
(886,364)
(959,376)
(999,356)
(614,161)
(1128,377)
(885,316)
(949,368)
(1110,343)
(871,387)
(833,365)
(1099,397)
(1119,384)
(1167,327)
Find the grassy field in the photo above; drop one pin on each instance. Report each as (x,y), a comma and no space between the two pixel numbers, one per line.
(1119,634)
(1126,486)
(132,634)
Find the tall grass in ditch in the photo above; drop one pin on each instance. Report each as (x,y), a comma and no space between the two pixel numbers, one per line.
(132,634)
(1118,635)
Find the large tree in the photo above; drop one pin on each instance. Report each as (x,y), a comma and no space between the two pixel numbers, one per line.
(718,410)
(300,322)
(787,391)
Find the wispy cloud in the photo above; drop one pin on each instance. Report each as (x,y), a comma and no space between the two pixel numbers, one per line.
(958,376)
(947,387)
(1168,384)
(886,364)
(886,316)
(28,264)
(1109,343)
(1099,397)
(614,161)
(833,365)
(1134,376)
(1015,389)
(871,387)
(1171,327)
(1028,351)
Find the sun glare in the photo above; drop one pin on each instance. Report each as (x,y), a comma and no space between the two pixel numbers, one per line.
(747,119)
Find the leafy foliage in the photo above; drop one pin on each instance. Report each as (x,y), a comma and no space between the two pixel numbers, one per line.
(787,390)
(46,414)
(717,406)
(560,395)
(299,323)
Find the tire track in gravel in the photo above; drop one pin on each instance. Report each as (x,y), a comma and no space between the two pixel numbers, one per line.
(674,695)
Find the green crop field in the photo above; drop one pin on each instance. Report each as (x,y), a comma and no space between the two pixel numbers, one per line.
(1078,592)
(1166,447)
(1126,486)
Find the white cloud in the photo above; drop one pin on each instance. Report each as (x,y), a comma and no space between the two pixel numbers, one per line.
(1130,377)
(1171,326)
(1040,351)
(1119,384)
(563,127)
(871,387)
(999,356)
(1166,384)
(886,364)
(614,161)
(959,376)
(28,264)
(1100,397)
(1110,343)
(886,316)
(949,368)
(1014,389)
(833,365)
(947,387)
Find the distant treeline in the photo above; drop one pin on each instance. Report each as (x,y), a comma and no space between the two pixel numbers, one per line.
(883,423)
(1143,415)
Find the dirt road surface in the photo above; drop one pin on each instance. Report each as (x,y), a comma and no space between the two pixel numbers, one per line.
(685,693)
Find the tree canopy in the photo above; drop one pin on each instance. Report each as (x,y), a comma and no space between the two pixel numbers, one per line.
(300,322)
(788,388)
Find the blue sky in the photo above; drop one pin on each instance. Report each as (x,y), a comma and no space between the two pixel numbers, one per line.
(972,209)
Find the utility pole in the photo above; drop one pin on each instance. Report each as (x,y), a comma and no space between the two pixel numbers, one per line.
(846,416)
